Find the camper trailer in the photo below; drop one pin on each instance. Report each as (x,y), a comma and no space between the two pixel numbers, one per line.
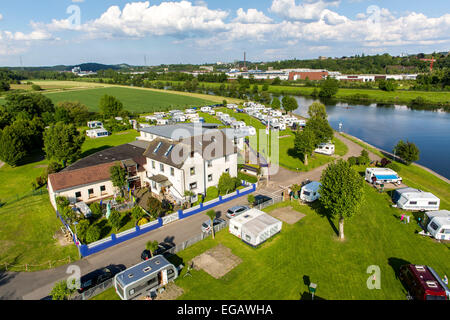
(162,121)
(97,133)
(325,148)
(415,199)
(382,175)
(205,109)
(437,224)
(190,111)
(310,192)
(95,124)
(144,278)
(254,227)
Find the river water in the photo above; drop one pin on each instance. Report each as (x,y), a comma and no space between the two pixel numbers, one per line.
(384,126)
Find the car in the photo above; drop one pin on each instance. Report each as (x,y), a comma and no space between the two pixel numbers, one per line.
(260,199)
(206,226)
(163,247)
(98,276)
(235,211)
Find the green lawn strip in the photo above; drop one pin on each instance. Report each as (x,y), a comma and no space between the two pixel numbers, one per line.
(417,177)
(133,99)
(92,145)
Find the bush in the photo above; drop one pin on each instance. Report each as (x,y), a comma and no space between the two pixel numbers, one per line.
(93,234)
(154,207)
(96,209)
(82,229)
(385,162)
(60,291)
(35,87)
(115,219)
(363,160)
(137,213)
(251,199)
(352,161)
(393,166)
(143,221)
(226,184)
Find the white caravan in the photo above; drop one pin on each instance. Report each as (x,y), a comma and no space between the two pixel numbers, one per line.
(325,148)
(437,223)
(415,199)
(382,175)
(310,192)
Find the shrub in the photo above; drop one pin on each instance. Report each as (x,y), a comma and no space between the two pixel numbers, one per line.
(226,184)
(143,221)
(154,207)
(251,199)
(60,291)
(115,219)
(137,213)
(35,87)
(363,160)
(246,177)
(82,229)
(212,192)
(352,161)
(93,234)
(385,162)
(96,209)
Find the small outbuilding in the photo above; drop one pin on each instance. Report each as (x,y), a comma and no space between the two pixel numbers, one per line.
(254,227)
(415,199)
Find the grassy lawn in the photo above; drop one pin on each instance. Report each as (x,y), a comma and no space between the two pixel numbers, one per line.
(310,250)
(133,99)
(29,222)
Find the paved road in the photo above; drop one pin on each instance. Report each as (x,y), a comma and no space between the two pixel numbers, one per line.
(36,285)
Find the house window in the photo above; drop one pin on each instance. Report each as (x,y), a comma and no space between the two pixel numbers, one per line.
(227,170)
(209,164)
(192,154)
(153,164)
(172,172)
(192,171)
(161,167)
(193,186)
(210,177)
(91,193)
(78,194)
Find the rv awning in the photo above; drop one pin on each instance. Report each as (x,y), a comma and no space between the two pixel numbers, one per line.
(386,177)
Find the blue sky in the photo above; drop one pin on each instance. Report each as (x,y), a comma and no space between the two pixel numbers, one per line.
(196,31)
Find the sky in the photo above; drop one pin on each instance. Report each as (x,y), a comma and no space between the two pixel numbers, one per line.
(69,32)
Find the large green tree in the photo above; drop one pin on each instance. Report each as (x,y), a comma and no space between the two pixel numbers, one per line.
(407,151)
(110,106)
(276,104)
(62,142)
(226,184)
(29,105)
(77,112)
(341,192)
(305,143)
(317,110)
(329,88)
(289,103)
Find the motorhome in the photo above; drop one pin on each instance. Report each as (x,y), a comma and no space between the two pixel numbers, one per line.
(325,148)
(437,224)
(97,133)
(249,130)
(190,111)
(238,124)
(144,278)
(191,116)
(415,199)
(310,192)
(382,175)
(232,106)
(179,118)
(151,118)
(254,227)
(276,113)
(162,121)
(206,109)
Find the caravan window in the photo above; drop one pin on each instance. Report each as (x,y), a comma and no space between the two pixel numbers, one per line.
(413,202)
(306,193)
(445,231)
(248,238)
(433,226)
(432,203)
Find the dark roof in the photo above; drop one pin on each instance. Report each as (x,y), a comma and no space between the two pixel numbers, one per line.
(213,145)
(127,151)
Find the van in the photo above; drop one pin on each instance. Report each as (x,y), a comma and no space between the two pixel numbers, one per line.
(423,283)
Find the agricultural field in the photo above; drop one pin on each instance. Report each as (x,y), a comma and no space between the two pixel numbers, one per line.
(28,219)
(309,251)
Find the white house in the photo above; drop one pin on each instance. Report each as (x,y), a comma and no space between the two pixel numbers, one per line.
(187,157)
(254,227)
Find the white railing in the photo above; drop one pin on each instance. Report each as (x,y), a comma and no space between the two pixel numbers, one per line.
(99,242)
(148,225)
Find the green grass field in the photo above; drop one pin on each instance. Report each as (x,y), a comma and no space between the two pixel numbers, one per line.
(310,250)
(28,222)
(134,100)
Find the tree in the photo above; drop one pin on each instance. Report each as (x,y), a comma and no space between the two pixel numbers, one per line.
(226,184)
(212,215)
(29,105)
(305,143)
(152,246)
(36,87)
(60,291)
(341,192)
(63,142)
(276,104)
(317,110)
(407,151)
(115,219)
(329,88)
(77,112)
(110,106)
(321,128)
(93,234)
(387,85)
(118,177)
(251,199)
(289,103)
(82,229)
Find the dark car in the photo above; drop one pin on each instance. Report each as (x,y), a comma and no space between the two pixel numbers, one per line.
(96,277)
(260,199)
(163,247)
(206,226)
(422,282)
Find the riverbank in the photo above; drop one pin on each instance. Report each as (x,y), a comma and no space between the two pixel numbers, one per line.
(414,99)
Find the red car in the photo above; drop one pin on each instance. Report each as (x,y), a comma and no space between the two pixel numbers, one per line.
(422,282)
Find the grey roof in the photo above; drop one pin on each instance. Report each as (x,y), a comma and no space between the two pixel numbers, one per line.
(178,131)
(137,272)
(415,192)
(133,150)
(439,214)
(260,223)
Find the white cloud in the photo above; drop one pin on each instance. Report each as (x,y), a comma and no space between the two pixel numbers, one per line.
(251,16)
(308,11)
(1,16)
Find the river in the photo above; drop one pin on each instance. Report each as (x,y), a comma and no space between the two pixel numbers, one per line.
(384,126)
